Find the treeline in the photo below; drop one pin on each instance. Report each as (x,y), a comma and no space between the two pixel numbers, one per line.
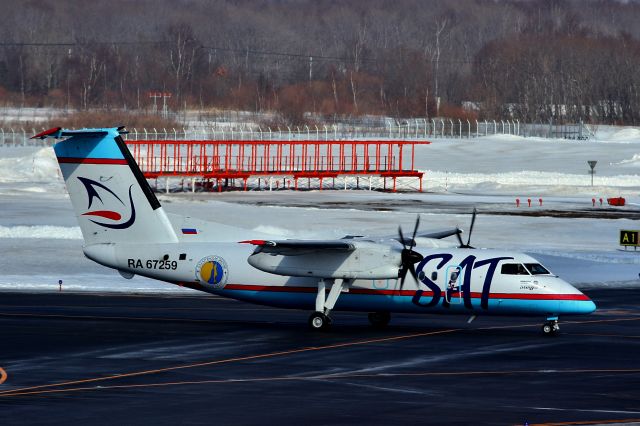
(536,60)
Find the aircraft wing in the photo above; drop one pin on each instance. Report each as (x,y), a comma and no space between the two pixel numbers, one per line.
(288,246)
(353,257)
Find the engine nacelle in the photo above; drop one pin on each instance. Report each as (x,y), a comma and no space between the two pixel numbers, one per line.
(366,261)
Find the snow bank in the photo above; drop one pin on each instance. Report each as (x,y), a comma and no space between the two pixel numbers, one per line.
(503,138)
(625,134)
(38,166)
(89,282)
(45,231)
(531,182)
(633,161)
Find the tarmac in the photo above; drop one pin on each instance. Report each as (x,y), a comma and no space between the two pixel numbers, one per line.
(89,358)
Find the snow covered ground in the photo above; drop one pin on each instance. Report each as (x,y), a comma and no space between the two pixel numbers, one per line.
(41,243)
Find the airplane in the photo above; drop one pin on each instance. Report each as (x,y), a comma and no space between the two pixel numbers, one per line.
(124,227)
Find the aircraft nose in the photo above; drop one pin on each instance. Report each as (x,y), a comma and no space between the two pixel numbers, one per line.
(588,305)
(576,302)
(581,304)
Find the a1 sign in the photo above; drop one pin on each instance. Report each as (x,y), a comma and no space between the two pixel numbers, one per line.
(629,238)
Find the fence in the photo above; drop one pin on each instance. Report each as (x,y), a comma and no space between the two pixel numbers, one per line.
(215,161)
(412,129)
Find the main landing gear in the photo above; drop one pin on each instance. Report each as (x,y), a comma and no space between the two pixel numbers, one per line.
(551,327)
(320,320)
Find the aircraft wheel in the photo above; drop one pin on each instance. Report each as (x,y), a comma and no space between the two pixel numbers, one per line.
(550,328)
(379,319)
(319,321)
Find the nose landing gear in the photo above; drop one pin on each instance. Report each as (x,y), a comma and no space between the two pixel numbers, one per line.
(551,327)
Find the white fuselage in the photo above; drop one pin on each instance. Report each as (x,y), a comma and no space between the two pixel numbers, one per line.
(451,280)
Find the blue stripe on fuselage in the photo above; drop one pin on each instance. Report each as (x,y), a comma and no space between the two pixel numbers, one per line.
(387,303)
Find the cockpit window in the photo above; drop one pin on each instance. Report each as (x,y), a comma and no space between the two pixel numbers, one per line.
(513,269)
(537,269)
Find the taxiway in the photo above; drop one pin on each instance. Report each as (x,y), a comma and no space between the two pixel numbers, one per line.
(140,359)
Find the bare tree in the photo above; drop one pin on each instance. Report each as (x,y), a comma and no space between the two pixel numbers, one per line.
(182,54)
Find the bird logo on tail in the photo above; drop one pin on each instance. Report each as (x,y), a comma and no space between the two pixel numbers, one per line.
(92,187)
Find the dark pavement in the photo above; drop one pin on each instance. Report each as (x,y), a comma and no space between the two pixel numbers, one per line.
(144,359)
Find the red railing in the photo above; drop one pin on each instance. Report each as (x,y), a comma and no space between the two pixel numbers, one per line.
(243,159)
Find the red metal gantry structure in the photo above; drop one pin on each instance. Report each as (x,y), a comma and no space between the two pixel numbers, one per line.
(243,159)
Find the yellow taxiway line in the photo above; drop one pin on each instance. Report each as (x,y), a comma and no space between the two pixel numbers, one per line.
(590,422)
(41,388)
(230,360)
(35,391)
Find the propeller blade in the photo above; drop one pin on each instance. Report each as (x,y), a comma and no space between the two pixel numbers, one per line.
(412,269)
(402,274)
(401,237)
(415,231)
(408,257)
(473,220)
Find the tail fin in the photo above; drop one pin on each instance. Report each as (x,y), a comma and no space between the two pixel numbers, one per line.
(111,197)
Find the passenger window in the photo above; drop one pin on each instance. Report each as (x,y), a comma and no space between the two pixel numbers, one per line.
(513,269)
(537,269)
(434,276)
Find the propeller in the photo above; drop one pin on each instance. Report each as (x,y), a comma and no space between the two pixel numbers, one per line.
(409,257)
(473,221)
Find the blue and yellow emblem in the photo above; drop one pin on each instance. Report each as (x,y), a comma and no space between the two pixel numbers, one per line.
(212,270)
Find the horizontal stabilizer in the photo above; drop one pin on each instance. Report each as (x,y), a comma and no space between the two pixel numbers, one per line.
(52,133)
(59,132)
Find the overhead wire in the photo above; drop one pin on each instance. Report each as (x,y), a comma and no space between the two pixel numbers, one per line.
(244,51)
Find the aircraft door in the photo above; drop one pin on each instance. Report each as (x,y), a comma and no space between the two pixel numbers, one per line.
(453,292)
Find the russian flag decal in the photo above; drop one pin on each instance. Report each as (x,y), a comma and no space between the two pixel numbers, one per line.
(189,231)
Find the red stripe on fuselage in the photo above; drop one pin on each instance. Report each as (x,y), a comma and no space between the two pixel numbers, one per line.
(118,161)
(270,288)
(475,295)
(538,296)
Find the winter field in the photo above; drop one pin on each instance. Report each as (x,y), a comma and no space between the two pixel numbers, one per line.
(41,243)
